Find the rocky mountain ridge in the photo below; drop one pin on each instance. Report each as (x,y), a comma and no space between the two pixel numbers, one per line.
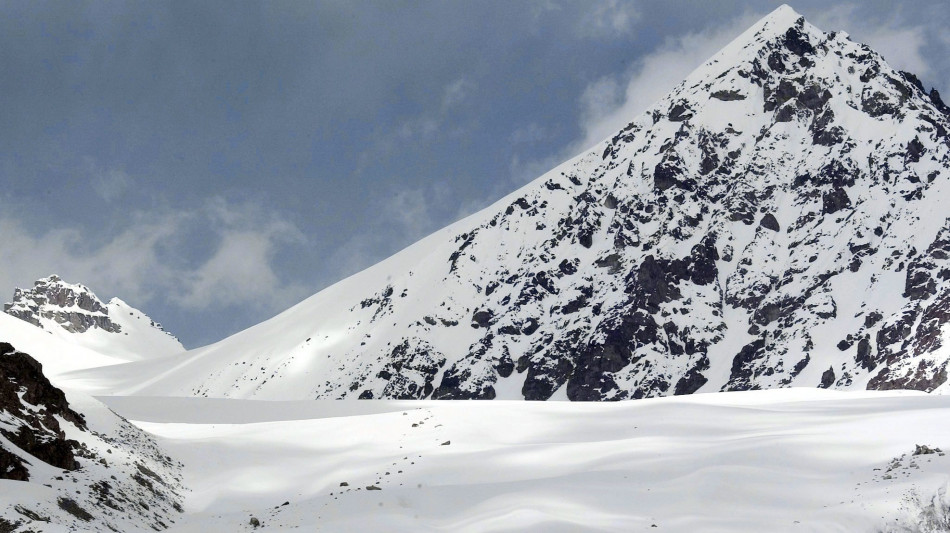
(73,307)
(774,221)
(74,312)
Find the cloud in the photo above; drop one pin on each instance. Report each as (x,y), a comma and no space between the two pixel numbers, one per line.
(108,184)
(405,216)
(433,121)
(417,128)
(455,93)
(123,265)
(409,209)
(901,45)
(610,103)
(430,124)
(608,19)
(532,133)
(241,269)
(152,258)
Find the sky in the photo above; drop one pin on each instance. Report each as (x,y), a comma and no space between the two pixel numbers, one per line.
(213,163)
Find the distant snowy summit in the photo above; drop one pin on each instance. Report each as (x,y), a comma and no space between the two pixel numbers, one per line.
(75,313)
(777,220)
(54,303)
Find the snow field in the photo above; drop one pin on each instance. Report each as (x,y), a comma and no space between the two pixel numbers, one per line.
(780,460)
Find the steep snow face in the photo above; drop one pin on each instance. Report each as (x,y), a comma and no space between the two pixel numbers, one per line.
(774,221)
(74,313)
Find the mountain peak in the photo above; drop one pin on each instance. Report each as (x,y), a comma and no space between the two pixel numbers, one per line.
(782,18)
(782,28)
(776,220)
(73,307)
(74,311)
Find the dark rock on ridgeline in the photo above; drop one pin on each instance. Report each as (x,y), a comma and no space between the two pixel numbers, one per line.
(680,112)
(75,308)
(938,102)
(33,403)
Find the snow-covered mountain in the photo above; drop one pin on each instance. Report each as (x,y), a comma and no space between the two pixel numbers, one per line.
(776,220)
(74,313)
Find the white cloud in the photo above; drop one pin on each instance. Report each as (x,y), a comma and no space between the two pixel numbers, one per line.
(610,103)
(405,216)
(901,46)
(241,269)
(532,133)
(430,124)
(455,93)
(410,210)
(148,259)
(109,184)
(123,265)
(611,18)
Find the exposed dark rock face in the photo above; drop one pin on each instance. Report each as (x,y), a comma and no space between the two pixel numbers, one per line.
(36,430)
(769,222)
(410,371)
(13,467)
(834,201)
(74,307)
(115,479)
(694,379)
(728,96)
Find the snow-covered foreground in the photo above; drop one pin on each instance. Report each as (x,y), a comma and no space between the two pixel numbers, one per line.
(780,460)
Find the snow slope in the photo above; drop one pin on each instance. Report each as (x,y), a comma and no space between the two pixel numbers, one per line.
(776,220)
(780,460)
(57,355)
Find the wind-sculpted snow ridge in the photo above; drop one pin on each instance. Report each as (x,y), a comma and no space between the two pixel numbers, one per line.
(775,221)
(82,469)
(73,312)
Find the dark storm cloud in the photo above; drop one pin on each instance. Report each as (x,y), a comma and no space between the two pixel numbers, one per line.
(143,144)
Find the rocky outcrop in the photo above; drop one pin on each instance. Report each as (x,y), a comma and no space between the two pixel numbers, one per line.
(73,313)
(115,479)
(74,307)
(32,406)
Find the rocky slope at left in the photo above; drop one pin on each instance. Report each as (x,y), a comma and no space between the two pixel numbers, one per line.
(73,463)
